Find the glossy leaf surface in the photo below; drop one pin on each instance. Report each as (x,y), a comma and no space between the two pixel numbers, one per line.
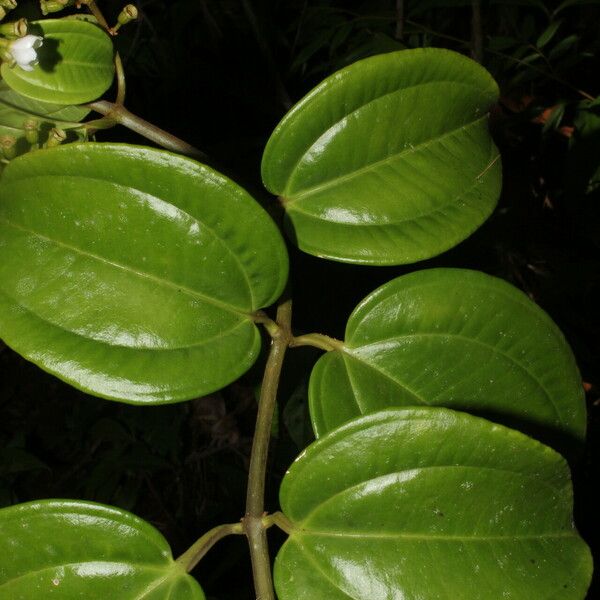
(72,549)
(15,110)
(455,338)
(389,160)
(429,503)
(75,64)
(133,274)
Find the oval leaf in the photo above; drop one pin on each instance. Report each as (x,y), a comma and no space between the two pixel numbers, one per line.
(389,160)
(133,274)
(75,64)
(15,110)
(429,503)
(74,549)
(456,338)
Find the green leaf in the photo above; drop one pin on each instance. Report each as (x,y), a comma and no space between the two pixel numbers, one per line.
(75,64)
(548,34)
(75,549)
(17,460)
(531,58)
(296,417)
(555,118)
(16,109)
(389,160)
(131,273)
(429,503)
(500,43)
(563,46)
(455,338)
(569,3)
(583,163)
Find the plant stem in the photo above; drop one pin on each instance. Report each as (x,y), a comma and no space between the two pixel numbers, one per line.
(190,558)
(120,73)
(117,114)
(93,7)
(318,340)
(255,498)
(476,31)
(279,519)
(399,20)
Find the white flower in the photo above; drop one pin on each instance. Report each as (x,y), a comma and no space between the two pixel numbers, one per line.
(23,50)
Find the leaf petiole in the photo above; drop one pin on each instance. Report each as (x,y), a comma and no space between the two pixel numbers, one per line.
(279,519)
(318,340)
(192,556)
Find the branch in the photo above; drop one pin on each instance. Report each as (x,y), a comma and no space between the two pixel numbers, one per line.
(91,4)
(117,114)
(255,503)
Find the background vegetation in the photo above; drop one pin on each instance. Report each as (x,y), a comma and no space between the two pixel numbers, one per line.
(220,74)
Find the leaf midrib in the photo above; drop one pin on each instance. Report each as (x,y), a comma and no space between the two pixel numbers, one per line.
(47,116)
(308,555)
(345,353)
(66,95)
(205,225)
(307,106)
(464,338)
(303,194)
(441,208)
(401,471)
(160,281)
(428,537)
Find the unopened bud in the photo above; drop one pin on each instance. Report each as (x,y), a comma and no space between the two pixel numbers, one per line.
(8,4)
(5,55)
(56,137)
(8,144)
(31,127)
(15,29)
(128,14)
(52,6)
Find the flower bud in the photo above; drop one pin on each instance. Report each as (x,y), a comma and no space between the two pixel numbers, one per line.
(5,54)
(52,6)
(31,127)
(128,14)
(8,145)
(56,137)
(16,29)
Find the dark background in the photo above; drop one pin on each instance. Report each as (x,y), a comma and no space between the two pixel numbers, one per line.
(221,74)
